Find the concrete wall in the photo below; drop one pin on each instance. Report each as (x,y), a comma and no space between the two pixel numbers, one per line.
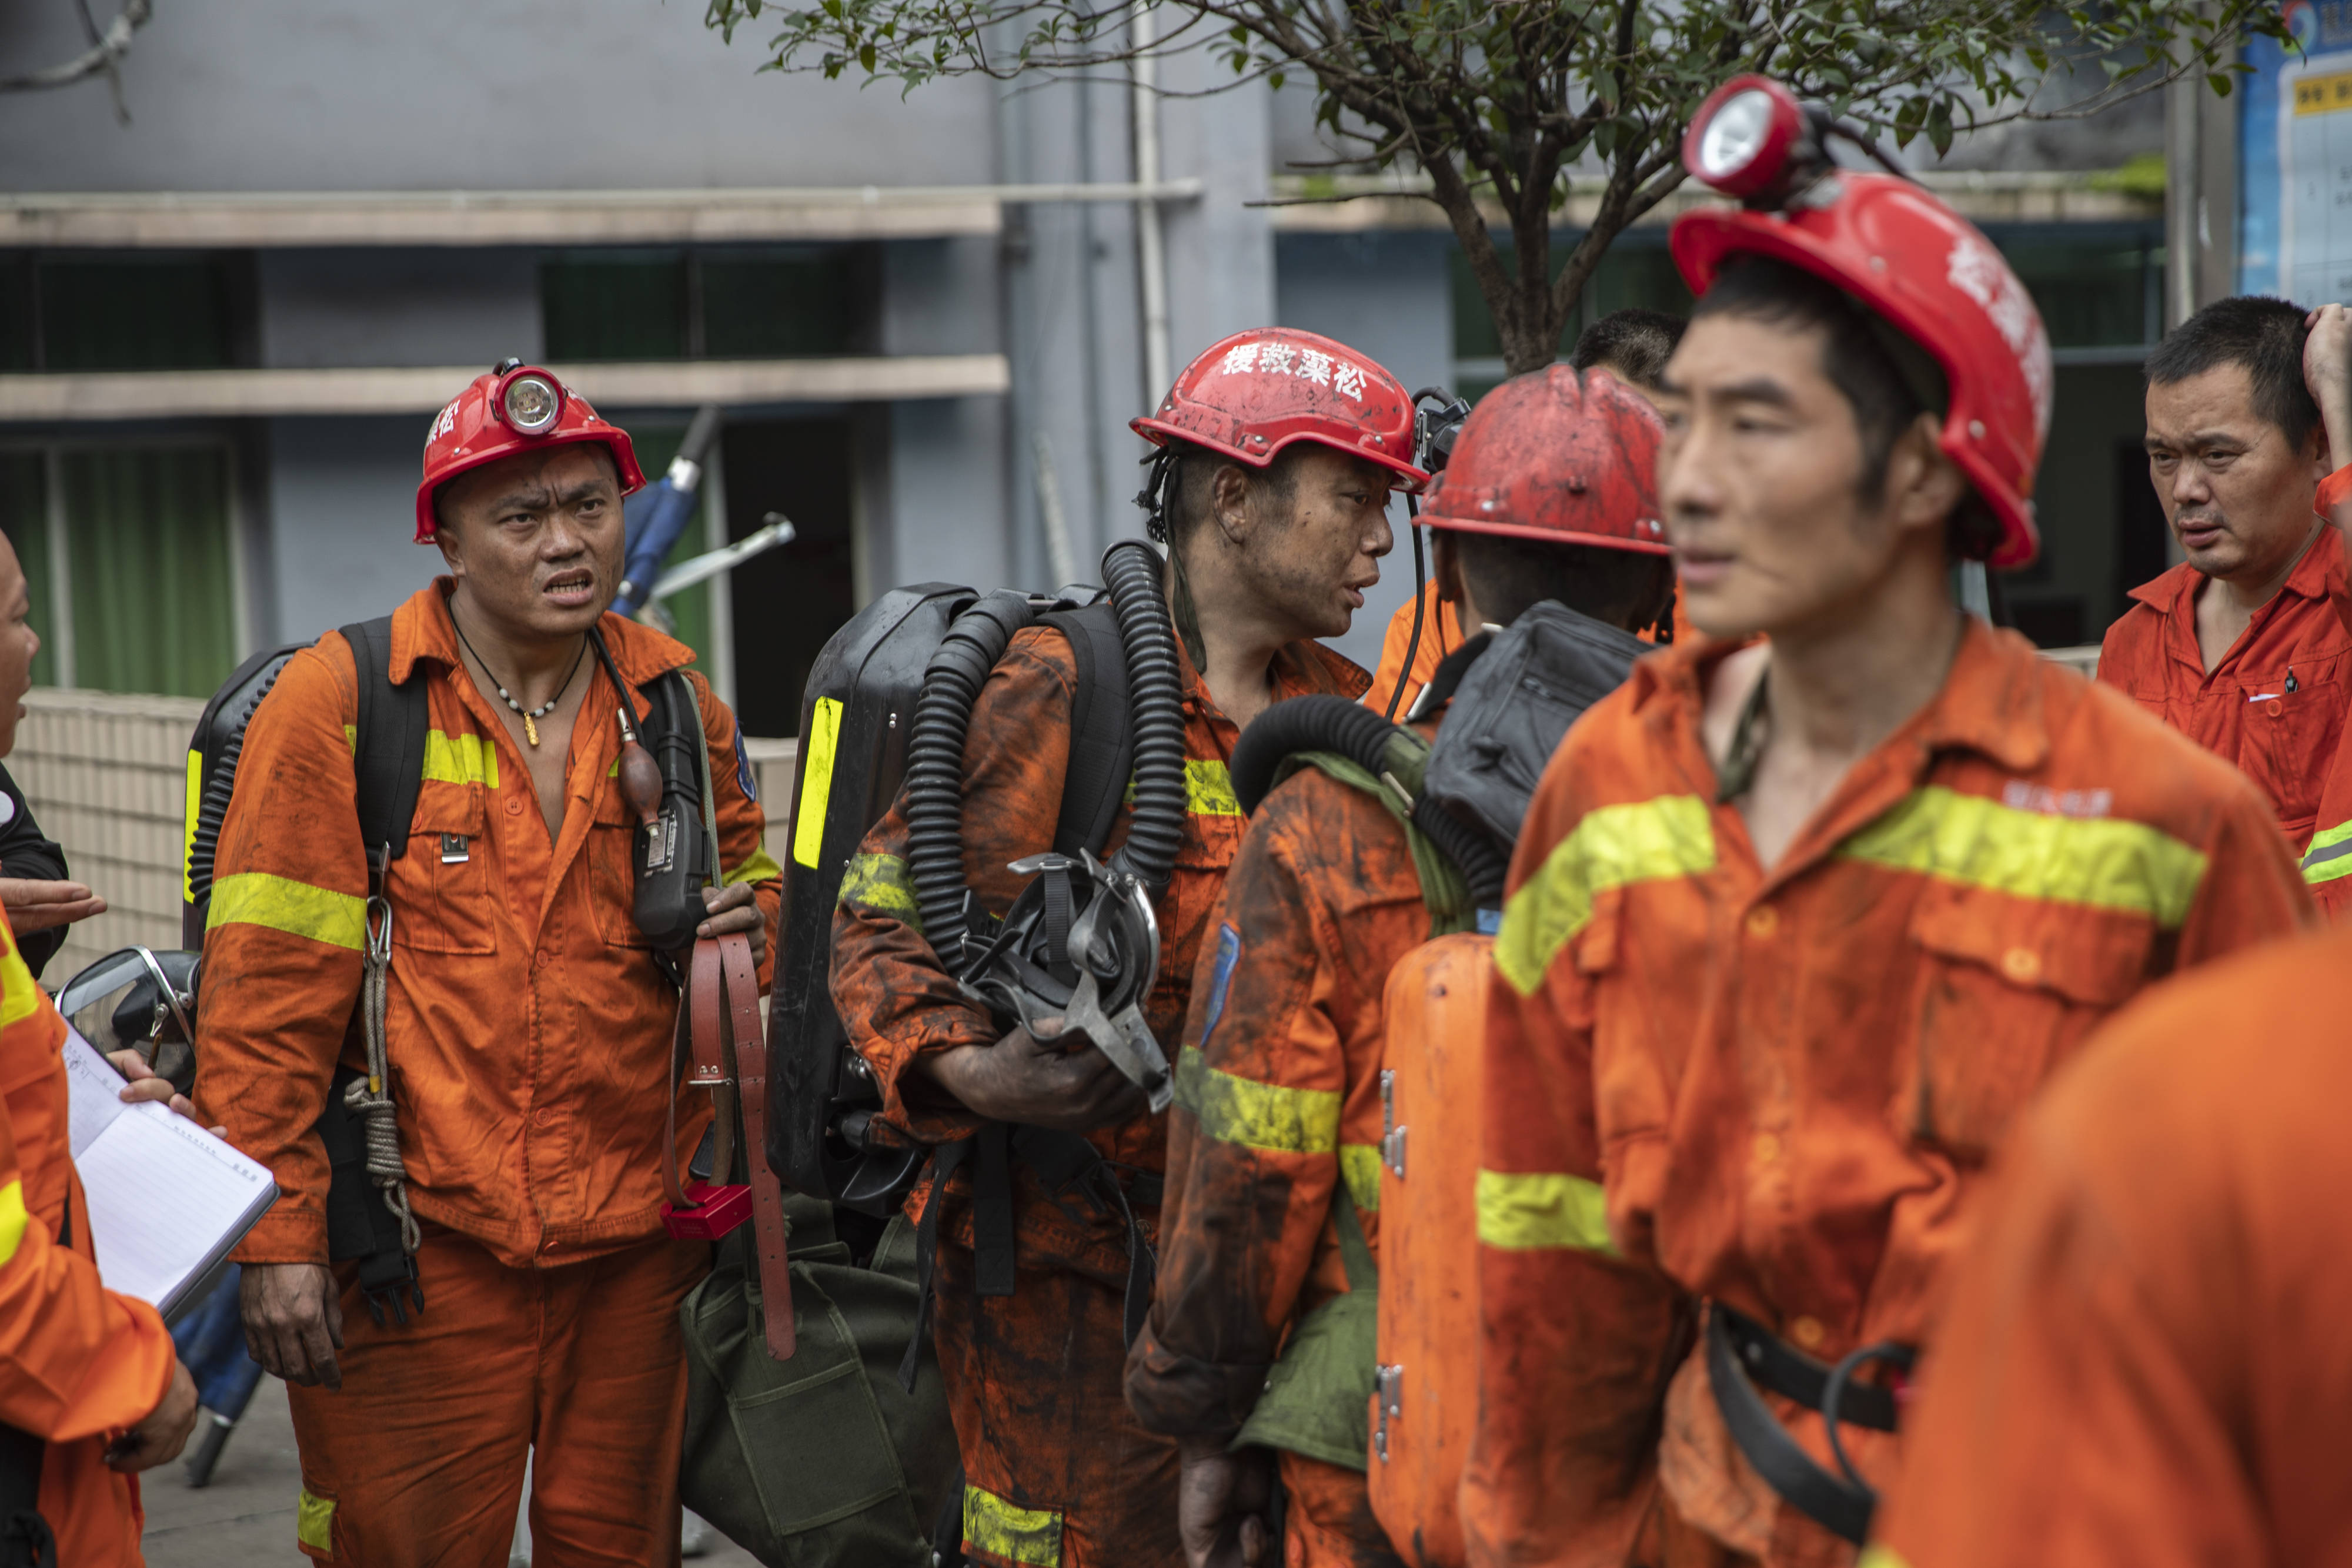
(340,95)
(322,308)
(341,496)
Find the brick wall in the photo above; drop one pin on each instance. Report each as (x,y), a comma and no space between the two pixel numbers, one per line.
(107,778)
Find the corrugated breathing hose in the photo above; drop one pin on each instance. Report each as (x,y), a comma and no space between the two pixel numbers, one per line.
(1156,690)
(934,785)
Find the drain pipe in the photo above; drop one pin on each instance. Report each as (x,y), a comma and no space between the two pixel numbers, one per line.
(1150,251)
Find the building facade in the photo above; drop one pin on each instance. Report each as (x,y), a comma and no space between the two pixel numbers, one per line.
(225,321)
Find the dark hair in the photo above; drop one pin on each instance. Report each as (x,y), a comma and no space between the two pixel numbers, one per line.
(1888,379)
(1191,484)
(2265,336)
(1636,342)
(1506,574)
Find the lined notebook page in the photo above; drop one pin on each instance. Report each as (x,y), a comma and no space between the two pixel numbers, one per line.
(167,1199)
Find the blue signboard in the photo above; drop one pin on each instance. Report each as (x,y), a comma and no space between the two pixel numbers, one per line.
(2294,150)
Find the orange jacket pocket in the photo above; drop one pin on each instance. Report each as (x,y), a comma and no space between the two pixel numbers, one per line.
(2007,988)
(440,886)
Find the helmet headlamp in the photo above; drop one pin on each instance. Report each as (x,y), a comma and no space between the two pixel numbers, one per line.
(1745,139)
(529,401)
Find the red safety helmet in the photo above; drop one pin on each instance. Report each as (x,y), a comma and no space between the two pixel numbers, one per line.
(1555,456)
(515,408)
(1257,391)
(1904,253)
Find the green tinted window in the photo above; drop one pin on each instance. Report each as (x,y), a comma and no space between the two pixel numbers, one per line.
(16,314)
(136,313)
(778,307)
(1633,272)
(2090,294)
(24,518)
(615,305)
(148,562)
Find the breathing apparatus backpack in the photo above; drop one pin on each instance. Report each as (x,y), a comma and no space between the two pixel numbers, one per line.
(1384,1378)
(675,857)
(887,707)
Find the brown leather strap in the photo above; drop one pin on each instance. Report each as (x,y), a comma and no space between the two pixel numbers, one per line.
(751,1042)
(703,985)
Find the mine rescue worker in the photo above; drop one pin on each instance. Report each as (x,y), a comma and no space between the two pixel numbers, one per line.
(2244,646)
(2145,1362)
(1632,345)
(1549,499)
(529,1028)
(1796,927)
(91,1392)
(1280,451)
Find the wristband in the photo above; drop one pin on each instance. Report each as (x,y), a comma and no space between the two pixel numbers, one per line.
(2334,491)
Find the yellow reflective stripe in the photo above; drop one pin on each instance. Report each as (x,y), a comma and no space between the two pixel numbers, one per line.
(314,1521)
(760,867)
(1257,1115)
(20,994)
(188,831)
(352,739)
(461,760)
(881,884)
(13,1219)
(817,781)
(2105,863)
(1209,788)
(1028,1535)
(281,904)
(1359,1167)
(1643,840)
(2330,855)
(1878,1554)
(1543,1210)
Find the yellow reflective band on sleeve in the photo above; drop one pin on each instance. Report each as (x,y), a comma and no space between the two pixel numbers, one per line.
(760,867)
(188,830)
(1359,1167)
(281,904)
(817,781)
(1646,840)
(1547,1210)
(20,994)
(13,1219)
(1028,1535)
(881,884)
(1209,788)
(314,1521)
(461,760)
(2330,855)
(2105,863)
(1257,1115)
(1879,1555)
(352,739)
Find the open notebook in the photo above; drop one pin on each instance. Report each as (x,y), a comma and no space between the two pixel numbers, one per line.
(167,1199)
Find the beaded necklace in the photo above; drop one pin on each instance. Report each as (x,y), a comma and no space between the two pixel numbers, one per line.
(531,716)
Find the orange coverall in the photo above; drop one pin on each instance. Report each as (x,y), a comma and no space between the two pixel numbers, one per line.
(1439,636)
(78,1364)
(2275,703)
(1278,1100)
(530,1035)
(1058,1473)
(1778,1089)
(2145,1362)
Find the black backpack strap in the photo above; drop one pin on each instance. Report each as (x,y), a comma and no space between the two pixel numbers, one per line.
(1102,729)
(389,755)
